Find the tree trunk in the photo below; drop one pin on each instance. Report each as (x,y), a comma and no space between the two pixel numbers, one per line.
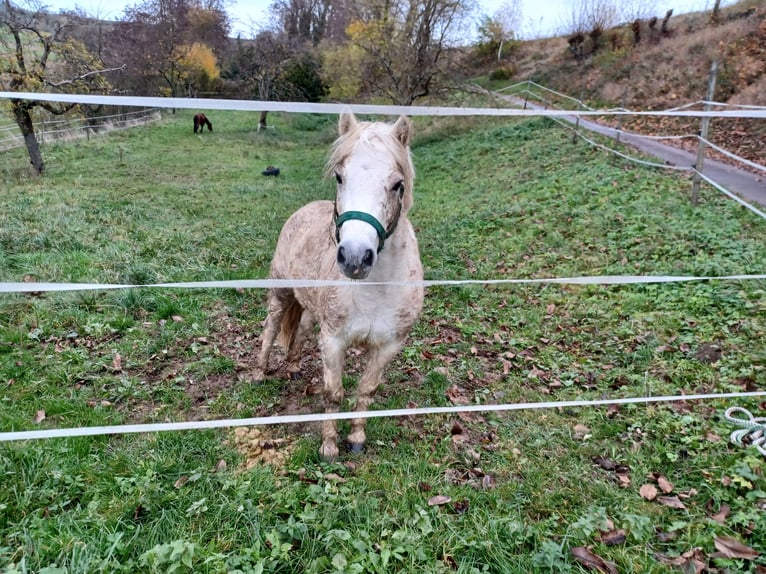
(24,121)
(262,121)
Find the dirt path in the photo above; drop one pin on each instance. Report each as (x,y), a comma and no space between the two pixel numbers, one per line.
(749,186)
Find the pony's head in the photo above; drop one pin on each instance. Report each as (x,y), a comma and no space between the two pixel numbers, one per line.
(373,168)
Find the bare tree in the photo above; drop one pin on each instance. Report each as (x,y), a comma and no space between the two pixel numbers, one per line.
(310,21)
(408,45)
(259,67)
(508,18)
(42,60)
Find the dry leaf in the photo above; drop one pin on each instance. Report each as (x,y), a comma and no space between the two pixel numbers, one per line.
(672,502)
(665,485)
(648,491)
(623,480)
(614,537)
(550,309)
(221,466)
(117,362)
(181,481)
(723,512)
(593,561)
(439,499)
(691,561)
(457,396)
(461,506)
(39,416)
(605,463)
(733,548)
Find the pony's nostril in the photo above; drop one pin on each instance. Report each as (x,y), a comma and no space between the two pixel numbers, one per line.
(341,255)
(368,258)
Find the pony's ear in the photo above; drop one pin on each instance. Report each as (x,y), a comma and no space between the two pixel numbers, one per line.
(403,130)
(346,123)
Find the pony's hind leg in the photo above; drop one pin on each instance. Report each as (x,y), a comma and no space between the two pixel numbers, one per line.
(277,307)
(368,384)
(293,360)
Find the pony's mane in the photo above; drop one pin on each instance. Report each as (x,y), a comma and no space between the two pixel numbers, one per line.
(381,136)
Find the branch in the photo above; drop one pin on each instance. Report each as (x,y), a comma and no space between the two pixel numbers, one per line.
(91,73)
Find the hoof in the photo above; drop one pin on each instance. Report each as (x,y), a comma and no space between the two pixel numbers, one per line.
(328,452)
(258,375)
(355,447)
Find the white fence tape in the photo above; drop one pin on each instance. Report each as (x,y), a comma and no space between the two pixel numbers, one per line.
(308,107)
(316,417)
(31,287)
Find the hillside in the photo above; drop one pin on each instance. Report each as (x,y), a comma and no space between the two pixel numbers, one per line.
(665,71)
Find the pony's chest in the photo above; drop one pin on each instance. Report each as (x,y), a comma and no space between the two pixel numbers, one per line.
(377,318)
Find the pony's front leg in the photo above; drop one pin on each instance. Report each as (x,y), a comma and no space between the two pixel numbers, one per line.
(368,384)
(333,357)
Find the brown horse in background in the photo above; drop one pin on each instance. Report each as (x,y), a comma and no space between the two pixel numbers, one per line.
(200,121)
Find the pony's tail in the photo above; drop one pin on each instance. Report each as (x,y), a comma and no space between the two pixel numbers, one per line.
(291,319)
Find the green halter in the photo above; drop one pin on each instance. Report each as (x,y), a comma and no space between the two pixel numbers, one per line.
(383,234)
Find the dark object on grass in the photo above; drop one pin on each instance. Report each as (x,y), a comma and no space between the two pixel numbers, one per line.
(271,170)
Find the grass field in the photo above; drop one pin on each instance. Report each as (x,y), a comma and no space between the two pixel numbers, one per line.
(633,489)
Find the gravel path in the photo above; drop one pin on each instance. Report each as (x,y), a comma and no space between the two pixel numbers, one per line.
(749,186)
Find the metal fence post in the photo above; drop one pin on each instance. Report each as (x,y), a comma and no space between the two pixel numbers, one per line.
(704,125)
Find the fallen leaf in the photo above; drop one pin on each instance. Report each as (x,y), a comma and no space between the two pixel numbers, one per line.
(593,561)
(461,506)
(117,362)
(614,537)
(550,309)
(732,548)
(691,562)
(623,480)
(669,536)
(220,466)
(672,502)
(487,482)
(335,477)
(712,437)
(424,486)
(39,416)
(181,481)
(665,485)
(438,500)
(723,512)
(605,463)
(648,491)
(457,396)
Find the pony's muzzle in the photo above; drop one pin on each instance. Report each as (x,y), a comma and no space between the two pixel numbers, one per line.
(355,262)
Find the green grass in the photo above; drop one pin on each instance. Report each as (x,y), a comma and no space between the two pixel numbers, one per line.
(512,199)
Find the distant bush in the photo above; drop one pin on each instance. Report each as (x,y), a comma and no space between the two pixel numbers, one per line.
(505,72)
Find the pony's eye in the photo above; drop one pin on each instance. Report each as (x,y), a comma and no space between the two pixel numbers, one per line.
(399,188)
(338,178)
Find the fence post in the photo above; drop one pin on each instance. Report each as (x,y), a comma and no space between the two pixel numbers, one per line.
(704,125)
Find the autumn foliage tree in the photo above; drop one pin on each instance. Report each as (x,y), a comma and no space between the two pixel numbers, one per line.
(38,59)
(164,43)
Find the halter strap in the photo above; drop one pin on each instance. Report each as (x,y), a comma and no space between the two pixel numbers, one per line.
(383,233)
